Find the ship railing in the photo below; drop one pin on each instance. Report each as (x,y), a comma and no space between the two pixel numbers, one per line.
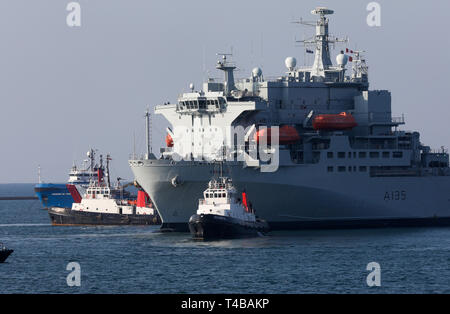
(136,156)
(398,120)
(439,151)
(383,118)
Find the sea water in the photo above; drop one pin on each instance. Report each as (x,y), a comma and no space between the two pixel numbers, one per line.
(139,259)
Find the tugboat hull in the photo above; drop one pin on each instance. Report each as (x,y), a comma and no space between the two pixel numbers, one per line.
(213,227)
(4,255)
(66,216)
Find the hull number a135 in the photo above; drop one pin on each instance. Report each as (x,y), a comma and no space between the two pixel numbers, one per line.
(395,196)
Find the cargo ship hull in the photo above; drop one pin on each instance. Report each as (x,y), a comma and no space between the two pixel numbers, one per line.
(66,216)
(301,196)
(53,195)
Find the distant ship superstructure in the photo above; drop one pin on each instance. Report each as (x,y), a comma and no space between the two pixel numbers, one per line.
(57,194)
(349,166)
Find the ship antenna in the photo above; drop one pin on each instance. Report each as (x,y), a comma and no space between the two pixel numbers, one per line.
(108,158)
(39,174)
(147,133)
(134,145)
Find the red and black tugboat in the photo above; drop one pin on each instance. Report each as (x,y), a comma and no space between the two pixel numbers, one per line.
(103,204)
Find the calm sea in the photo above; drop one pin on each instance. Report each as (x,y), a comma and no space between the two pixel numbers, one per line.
(141,260)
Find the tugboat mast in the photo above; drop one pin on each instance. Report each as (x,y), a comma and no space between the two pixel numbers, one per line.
(108,158)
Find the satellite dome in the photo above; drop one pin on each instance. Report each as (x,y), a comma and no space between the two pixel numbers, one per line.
(342,59)
(192,86)
(256,72)
(290,63)
(88,153)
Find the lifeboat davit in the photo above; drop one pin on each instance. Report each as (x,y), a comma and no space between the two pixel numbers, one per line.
(287,135)
(169,141)
(342,121)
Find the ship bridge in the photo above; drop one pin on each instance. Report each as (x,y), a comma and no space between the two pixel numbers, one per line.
(191,103)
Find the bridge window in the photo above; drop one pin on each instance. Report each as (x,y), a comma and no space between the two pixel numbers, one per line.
(330,169)
(341,169)
(362,154)
(386,154)
(362,168)
(374,154)
(330,155)
(341,155)
(397,154)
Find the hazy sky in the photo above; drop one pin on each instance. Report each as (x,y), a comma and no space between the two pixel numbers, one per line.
(64,90)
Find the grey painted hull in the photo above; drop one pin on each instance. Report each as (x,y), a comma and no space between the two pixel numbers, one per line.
(301,196)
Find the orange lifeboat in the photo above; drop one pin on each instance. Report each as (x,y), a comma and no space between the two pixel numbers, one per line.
(342,121)
(169,141)
(287,135)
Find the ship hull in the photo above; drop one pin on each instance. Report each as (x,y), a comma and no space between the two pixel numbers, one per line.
(53,195)
(4,255)
(214,227)
(66,216)
(299,197)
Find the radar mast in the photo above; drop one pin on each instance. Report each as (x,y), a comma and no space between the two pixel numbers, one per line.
(321,40)
(228,68)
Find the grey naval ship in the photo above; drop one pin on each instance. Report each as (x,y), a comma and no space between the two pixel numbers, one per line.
(341,160)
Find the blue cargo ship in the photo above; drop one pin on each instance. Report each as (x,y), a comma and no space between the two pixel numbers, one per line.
(53,194)
(58,195)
